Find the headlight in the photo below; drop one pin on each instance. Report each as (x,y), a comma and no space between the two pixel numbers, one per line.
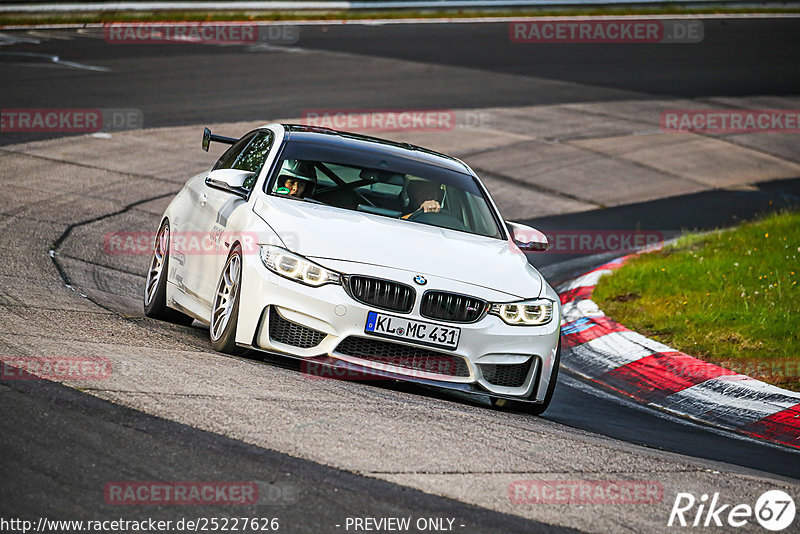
(526,313)
(295,267)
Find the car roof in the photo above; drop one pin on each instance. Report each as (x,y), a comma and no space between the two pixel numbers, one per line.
(335,138)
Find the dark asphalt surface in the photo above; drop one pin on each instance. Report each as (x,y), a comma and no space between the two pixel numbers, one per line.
(61,447)
(50,434)
(735,58)
(194,84)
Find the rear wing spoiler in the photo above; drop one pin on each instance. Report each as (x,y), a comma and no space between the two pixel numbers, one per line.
(208,137)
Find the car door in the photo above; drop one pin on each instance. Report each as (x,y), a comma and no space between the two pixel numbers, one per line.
(218,206)
(189,241)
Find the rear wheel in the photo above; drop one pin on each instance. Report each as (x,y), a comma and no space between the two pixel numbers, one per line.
(155,288)
(225,310)
(529,407)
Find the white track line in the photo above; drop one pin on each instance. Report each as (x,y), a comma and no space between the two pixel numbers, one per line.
(55,60)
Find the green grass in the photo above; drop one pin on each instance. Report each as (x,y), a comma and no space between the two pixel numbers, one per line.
(729,297)
(12,19)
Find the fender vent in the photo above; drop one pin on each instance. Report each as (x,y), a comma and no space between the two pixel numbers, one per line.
(506,375)
(285,331)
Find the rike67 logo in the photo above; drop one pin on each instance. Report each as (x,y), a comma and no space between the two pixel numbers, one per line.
(774,510)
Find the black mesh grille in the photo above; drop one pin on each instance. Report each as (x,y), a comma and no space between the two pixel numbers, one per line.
(452,307)
(403,356)
(506,375)
(285,331)
(382,293)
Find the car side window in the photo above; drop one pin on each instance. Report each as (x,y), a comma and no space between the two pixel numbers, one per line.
(248,154)
(253,157)
(229,157)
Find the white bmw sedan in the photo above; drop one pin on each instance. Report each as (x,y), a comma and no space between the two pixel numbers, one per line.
(357,253)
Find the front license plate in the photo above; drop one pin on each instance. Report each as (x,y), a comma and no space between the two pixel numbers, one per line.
(390,326)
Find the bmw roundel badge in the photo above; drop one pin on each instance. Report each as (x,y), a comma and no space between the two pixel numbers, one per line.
(420,280)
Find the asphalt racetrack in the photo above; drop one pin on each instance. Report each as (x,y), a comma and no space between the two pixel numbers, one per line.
(323,451)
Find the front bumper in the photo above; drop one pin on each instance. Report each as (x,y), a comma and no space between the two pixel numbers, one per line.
(487,347)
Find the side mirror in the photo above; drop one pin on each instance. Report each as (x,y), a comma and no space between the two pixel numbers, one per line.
(230,180)
(528,239)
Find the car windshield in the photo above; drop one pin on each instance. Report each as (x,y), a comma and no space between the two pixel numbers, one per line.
(383,184)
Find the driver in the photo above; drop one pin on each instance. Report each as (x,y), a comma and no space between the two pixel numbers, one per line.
(427,196)
(299,179)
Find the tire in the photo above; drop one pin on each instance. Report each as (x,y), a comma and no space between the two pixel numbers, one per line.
(155,287)
(225,309)
(531,408)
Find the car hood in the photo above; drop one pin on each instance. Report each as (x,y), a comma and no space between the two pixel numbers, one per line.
(323,232)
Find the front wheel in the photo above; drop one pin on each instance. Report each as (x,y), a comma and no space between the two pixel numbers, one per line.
(225,310)
(155,287)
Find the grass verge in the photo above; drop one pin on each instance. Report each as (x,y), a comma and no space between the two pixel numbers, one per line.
(730,297)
